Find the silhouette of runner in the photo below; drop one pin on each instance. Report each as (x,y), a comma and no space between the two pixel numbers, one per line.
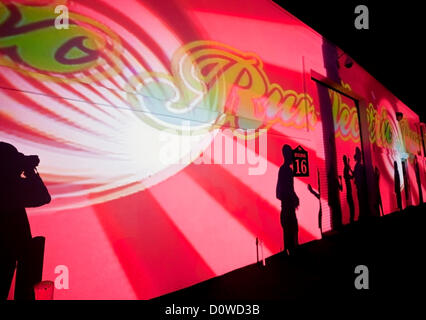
(360,183)
(20,187)
(348,175)
(397,181)
(289,201)
(379,204)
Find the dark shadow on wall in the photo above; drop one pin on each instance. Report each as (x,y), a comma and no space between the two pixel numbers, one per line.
(397,182)
(378,201)
(20,187)
(418,179)
(318,196)
(330,62)
(348,175)
(363,170)
(361,184)
(289,201)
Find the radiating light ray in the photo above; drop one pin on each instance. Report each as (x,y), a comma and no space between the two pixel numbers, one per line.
(59,229)
(210,234)
(170,225)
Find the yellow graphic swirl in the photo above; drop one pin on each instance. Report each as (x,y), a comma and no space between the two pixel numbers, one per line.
(346,124)
(213,85)
(385,132)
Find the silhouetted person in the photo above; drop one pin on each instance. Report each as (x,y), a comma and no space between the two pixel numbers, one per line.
(360,183)
(348,175)
(397,181)
(289,201)
(419,182)
(20,187)
(318,196)
(379,204)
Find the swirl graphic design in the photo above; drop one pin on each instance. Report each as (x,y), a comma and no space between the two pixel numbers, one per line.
(30,43)
(214,85)
(387,133)
(63,98)
(346,124)
(91,103)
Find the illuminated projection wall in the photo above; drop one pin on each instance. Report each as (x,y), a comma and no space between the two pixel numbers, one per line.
(347,140)
(159,126)
(397,142)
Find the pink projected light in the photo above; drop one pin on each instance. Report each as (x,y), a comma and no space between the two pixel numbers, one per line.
(131,110)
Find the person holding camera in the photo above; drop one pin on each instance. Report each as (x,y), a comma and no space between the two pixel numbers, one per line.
(20,187)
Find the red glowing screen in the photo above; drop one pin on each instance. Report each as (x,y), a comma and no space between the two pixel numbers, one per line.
(159,126)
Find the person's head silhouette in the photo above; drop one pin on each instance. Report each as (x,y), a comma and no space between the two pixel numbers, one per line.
(345,160)
(10,161)
(357,155)
(287,154)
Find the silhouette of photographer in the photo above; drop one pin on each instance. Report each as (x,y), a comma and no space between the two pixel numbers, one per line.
(20,187)
(289,201)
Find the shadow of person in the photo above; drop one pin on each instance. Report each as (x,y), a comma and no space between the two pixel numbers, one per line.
(379,204)
(418,179)
(397,181)
(20,187)
(360,183)
(348,175)
(289,201)
(318,196)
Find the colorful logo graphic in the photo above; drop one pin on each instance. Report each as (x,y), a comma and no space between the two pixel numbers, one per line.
(30,43)
(382,130)
(346,124)
(214,85)
(385,132)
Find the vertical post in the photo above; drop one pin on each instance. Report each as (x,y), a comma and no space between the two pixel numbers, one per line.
(261,250)
(257,249)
